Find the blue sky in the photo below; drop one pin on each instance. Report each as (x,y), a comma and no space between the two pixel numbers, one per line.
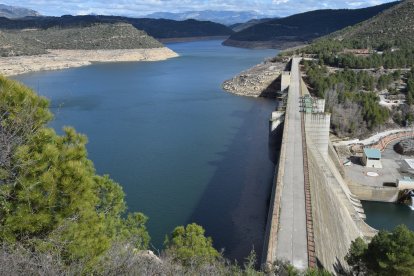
(143,7)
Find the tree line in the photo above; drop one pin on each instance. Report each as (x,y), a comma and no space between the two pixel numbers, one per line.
(332,52)
(349,97)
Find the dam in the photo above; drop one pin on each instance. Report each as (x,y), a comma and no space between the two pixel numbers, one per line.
(313,216)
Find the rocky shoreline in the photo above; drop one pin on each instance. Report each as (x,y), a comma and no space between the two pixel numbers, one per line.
(63,59)
(261,80)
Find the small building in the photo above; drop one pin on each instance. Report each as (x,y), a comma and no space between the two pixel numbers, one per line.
(372,158)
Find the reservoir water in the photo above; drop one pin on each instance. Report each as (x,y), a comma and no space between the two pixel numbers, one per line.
(183,150)
(386,216)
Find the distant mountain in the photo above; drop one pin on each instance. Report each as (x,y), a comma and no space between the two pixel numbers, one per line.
(96,37)
(393,27)
(301,28)
(242,26)
(158,28)
(16,12)
(223,17)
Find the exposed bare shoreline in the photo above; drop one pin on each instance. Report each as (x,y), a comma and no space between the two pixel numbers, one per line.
(62,59)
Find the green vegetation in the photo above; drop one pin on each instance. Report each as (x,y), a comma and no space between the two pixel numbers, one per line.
(410,87)
(96,37)
(158,28)
(189,243)
(50,197)
(392,28)
(321,80)
(307,26)
(384,81)
(58,217)
(372,56)
(386,39)
(389,253)
(331,53)
(349,97)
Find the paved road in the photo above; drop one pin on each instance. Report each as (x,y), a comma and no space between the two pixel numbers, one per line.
(373,139)
(292,238)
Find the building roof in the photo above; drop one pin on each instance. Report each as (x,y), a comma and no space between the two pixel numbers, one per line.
(372,153)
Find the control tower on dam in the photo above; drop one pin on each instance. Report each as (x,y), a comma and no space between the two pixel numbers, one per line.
(313,217)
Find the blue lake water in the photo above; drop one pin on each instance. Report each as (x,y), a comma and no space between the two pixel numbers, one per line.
(386,216)
(182,149)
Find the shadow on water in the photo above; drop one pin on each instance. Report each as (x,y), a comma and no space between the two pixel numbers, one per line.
(234,207)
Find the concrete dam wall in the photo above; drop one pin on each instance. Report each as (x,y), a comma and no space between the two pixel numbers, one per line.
(337,214)
(313,215)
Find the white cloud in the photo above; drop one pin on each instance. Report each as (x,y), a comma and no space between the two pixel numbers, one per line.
(278,2)
(143,7)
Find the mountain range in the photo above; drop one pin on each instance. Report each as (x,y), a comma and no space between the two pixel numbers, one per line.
(158,28)
(258,32)
(16,12)
(223,17)
(301,28)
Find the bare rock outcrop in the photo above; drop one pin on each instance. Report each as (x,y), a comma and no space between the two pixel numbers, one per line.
(262,80)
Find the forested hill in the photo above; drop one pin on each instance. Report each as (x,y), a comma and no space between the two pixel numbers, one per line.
(393,27)
(96,37)
(302,28)
(158,28)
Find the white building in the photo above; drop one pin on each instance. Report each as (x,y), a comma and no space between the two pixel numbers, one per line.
(372,158)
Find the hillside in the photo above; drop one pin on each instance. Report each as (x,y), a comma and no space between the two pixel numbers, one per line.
(158,28)
(301,28)
(385,40)
(16,12)
(393,27)
(96,37)
(365,73)
(242,26)
(222,17)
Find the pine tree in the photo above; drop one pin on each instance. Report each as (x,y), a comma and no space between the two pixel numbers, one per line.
(188,244)
(50,195)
